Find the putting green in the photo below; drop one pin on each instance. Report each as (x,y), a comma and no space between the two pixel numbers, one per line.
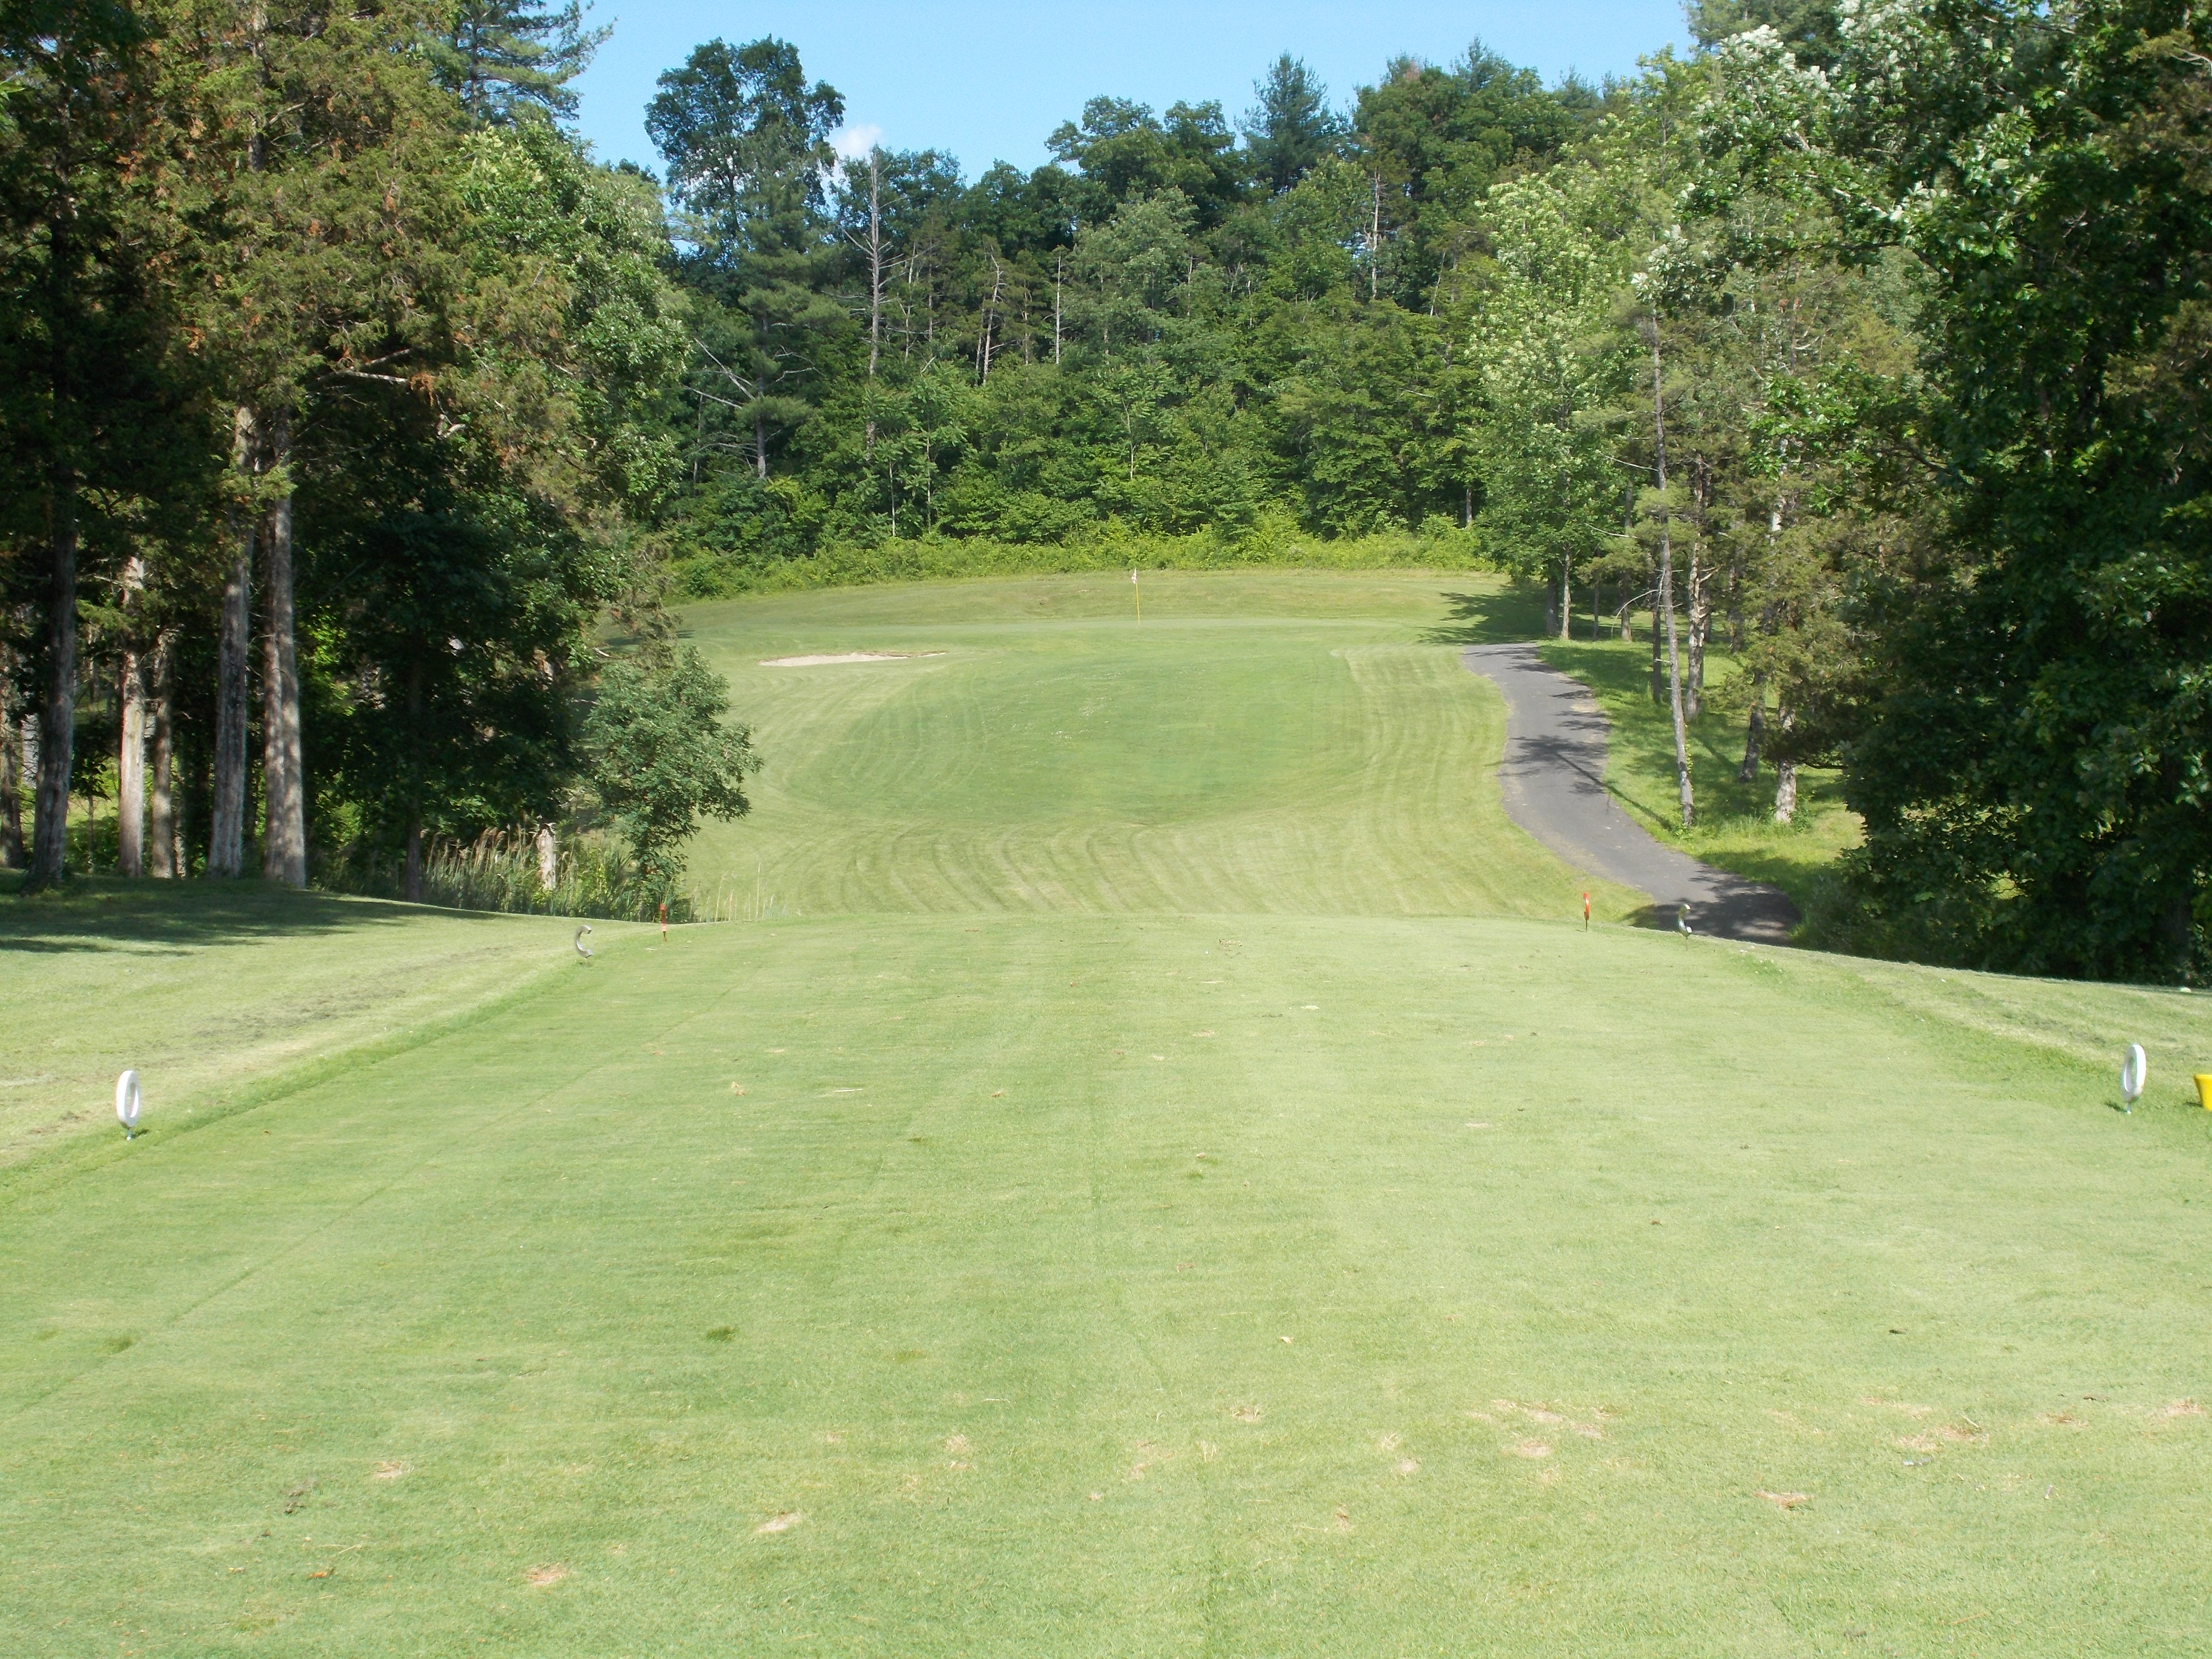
(1039,1279)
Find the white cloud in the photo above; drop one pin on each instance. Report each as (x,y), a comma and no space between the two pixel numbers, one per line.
(854,142)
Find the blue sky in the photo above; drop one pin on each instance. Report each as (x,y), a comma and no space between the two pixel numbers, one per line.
(989,81)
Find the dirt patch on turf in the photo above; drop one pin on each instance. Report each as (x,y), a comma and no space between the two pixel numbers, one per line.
(1590,1424)
(544,1578)
(391,1471)
(2178,1408)
(1786,1501)
(1900,1406)
(782,1523)
(825,658)
(1248,1413)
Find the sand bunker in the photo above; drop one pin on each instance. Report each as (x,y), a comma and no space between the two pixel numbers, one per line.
(845,656)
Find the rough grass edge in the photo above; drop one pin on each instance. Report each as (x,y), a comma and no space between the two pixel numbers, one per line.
(1111,548)
(88,1149)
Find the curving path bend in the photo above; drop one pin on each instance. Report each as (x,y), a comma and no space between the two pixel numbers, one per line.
(1552,778)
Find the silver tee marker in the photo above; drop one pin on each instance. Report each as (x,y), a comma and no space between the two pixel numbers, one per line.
(2134,1072)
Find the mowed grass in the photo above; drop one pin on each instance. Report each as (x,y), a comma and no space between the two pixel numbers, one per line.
(1039,1279)
(214,990)
(1279,742)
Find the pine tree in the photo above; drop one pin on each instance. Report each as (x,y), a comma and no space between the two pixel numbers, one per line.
(1291,127)
(499,56)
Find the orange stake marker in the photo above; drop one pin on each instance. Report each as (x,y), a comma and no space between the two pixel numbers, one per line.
(664,922)
(1585,912)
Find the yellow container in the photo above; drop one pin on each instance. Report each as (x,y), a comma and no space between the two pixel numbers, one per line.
(2204,1090)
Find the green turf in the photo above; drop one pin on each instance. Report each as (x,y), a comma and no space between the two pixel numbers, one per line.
(1279,742)
(209,989)
(1033,1278)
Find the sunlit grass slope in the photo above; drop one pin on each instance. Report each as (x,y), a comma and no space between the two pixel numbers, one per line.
(1035,1267)
(1266,742)
(1091,1284)
(210,989)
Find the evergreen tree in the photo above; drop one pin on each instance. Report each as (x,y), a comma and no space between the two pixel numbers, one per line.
(747,144)
(500,56)
(1291,127)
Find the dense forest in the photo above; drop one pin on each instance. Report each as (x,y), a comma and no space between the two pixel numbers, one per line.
(353,408)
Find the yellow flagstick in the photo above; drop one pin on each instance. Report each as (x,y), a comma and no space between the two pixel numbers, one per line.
(1140,595)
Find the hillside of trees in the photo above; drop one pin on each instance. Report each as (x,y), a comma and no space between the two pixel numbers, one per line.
(352,407)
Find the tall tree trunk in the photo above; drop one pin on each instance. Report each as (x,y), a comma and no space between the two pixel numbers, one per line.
(165,859)
(410,880)
(11,770)
(284,836)
(1753,729)
(235,639)
(57,713)
(27,747)
(1566,598)
(1658,665)
(130,767)
(1375,242)
(1785,774)
(2177,929)
(875,259)
(1693,695)
(1667,581)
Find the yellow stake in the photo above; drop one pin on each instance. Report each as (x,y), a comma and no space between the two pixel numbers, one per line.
(1140,595)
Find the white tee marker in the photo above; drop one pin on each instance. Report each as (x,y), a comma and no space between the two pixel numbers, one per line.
(2134,1072)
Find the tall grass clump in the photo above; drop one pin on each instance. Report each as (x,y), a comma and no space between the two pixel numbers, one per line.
(501,870)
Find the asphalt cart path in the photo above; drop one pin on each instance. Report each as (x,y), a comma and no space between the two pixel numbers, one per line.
(1552,778)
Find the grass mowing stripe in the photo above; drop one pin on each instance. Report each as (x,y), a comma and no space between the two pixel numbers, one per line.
(1641,1296)
(894,1267)
(1300,762)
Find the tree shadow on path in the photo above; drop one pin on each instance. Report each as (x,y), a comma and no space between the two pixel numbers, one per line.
(1507,616)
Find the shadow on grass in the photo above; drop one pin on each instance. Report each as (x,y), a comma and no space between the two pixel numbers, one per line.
(1506,617)
(106,913)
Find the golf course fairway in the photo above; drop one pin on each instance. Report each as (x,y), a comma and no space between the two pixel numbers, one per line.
(1164,1175)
